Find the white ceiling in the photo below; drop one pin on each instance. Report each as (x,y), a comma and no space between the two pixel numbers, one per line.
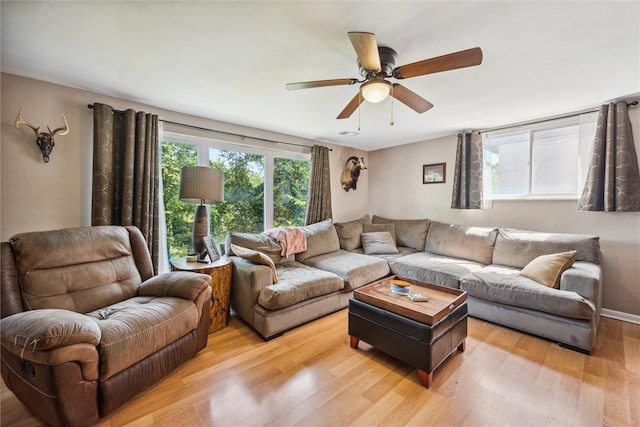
(230,61)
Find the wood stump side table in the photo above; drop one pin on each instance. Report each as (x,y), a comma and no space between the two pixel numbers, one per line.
(220,272)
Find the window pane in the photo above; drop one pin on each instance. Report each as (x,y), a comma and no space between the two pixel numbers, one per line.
(243,206)
(290,185)
(555,161)
(179,215)
(509,157)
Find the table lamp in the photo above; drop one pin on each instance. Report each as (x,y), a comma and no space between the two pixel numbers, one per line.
(202,185)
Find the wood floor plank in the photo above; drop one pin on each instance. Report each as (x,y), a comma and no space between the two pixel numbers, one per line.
(311,376)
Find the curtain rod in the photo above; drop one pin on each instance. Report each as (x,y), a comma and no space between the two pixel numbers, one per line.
(562,116)
(228,133)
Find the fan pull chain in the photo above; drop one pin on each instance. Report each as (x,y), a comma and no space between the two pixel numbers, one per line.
(359,108)
(391,123)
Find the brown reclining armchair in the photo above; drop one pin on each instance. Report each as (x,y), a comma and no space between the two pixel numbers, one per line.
(85,325)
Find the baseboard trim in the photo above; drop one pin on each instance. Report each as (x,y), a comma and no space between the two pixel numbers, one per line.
(620,315)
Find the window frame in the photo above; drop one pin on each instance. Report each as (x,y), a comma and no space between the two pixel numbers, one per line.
(203,144)
(583,155)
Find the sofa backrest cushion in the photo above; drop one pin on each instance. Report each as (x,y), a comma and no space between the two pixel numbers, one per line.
(411,233)
(257,242)
(517,248)
(461,241)
(322,238)
(78,269)
(349,232)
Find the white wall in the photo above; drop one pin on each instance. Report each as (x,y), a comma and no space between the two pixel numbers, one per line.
(40,196)
(396,190)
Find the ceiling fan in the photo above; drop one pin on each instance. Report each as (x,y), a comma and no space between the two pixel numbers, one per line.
(376,64)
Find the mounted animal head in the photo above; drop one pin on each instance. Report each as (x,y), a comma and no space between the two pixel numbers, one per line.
(44,139)
(349,176)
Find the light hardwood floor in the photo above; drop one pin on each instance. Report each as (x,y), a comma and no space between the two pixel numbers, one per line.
(311,377)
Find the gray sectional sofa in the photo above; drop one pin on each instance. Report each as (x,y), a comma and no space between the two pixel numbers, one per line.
(488,263)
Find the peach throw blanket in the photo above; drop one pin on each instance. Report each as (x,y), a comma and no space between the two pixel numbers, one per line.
(292,239)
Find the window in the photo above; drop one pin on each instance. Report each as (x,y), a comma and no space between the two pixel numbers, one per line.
(263,188)
(544,160)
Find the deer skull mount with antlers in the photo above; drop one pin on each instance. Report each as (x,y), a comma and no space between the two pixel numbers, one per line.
(44,139)
(349,176)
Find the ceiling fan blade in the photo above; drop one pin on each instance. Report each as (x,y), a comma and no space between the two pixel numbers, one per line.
(452,61)
(321,83)
(410,98)
(351,106)
(366,48)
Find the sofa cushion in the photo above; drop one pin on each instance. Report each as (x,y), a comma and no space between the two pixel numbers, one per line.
(402,251)
(378,243)
(77,269)
(547,269)
(349,232)
(355,269)
(138,327)
(518,247)
(411,233)
(460,241)
(322,238)
(256,258)
(502,285)
(373,228)
(298,282)
(433,268)
(257,242)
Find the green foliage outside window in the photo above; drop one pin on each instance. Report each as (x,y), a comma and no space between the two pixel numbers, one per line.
(243,206)
(243,209)
(179,215)
(290,186)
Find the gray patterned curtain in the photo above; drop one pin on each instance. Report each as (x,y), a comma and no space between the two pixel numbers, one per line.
(319,196)
(126,172)
(613,181)
(467,178)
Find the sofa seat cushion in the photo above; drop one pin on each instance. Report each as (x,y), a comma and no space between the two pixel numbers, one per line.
(354,268)
(433,268)
(402,251)
(503,285)
(298,282)
(138,327)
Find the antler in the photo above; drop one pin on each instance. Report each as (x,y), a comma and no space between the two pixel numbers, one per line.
(65,128)
(19,121)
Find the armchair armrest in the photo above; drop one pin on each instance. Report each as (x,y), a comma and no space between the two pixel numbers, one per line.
(180,284)
(47,329)
(53,337)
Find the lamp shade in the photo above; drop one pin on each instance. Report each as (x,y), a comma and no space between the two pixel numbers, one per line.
(199,184)
(375,90)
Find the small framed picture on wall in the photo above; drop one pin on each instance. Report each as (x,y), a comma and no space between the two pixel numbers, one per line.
(212,249)
(435,173)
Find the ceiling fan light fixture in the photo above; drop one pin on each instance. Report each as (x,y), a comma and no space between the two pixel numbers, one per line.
(375,90)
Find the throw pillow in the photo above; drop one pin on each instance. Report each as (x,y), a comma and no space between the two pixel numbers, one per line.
(349,232)
(257,258)
(547,269)
(372,228)
(378,243)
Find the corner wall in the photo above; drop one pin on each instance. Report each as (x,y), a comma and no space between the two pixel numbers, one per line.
(40,196)
(398,192)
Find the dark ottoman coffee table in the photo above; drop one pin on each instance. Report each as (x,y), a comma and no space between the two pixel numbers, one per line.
(421,334)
